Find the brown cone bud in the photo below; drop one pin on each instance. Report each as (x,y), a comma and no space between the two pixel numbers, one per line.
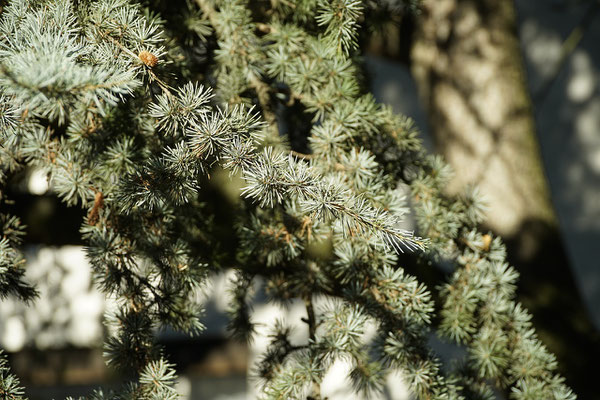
(148,58)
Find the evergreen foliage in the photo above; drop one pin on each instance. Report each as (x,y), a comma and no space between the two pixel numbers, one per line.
(9,384)
(113,100)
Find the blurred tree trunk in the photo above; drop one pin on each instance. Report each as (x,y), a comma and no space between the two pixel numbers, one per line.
(467,63)
(466,59)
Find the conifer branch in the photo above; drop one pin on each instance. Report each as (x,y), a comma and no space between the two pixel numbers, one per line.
(71,104)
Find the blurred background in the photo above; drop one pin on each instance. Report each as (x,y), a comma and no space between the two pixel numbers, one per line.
(509,93)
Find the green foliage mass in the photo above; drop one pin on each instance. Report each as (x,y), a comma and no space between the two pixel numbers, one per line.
(130,109)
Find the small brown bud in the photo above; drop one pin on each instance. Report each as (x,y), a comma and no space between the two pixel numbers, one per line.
(148,58)
(487,241)
(98,204)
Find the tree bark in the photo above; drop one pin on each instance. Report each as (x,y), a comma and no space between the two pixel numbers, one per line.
(467,63)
